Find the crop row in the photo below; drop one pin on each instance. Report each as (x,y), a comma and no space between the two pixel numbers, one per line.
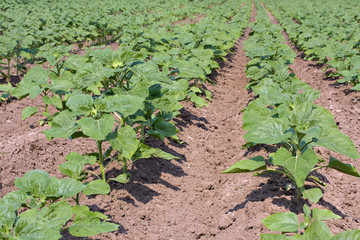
(284,115)
(118,99)
(326,32)
(28,34)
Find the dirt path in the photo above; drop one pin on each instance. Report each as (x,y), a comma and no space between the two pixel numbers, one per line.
(342,193)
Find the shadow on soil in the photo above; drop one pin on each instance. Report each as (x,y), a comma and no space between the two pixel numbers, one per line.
(187,118)
(148,171)
(275,188)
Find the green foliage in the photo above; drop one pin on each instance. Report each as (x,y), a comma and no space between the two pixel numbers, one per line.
(284,115)
(40,209)
(313,225)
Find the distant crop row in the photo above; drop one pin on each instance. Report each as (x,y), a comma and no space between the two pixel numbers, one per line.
(326,31)
(284,115)
(118,99)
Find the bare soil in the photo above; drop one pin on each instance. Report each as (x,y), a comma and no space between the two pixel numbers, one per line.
(190,198)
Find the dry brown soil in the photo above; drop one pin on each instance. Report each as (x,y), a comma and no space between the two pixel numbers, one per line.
(190,198)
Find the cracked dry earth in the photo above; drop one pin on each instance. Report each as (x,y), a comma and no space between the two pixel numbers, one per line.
(189,198)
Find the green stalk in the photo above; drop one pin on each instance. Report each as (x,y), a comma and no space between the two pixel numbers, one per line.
(9,59)
(77,199)
(101,160)
(142,133)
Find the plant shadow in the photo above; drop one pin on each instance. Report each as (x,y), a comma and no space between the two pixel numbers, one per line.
(275,188)
(146,172)
(187,118)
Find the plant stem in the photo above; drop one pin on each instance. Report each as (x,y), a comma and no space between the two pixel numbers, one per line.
(142,133)
(101,159)
(77,199)
(9,59)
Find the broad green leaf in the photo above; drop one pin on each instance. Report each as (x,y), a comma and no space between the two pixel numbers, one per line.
(85,159)
(343,167)
(125,141)
(29,111)
(122,178)
(54,100)
(164,155)
(69,187)
(313,194)
(33,182)
(248,165)
(87,223)
(81,104)
(198,101)
(97,129)
(29,228)
(37,75)
(347,235)
(63,126)
(271,236)
(6,88)
(334,140)
(356,87)
(282,222)
(124,104)
(317,230)
(73,167)
(298,166)
(307,214)
(271,131)
(189,70)
(145,151)
(164,127)
(97,187)
(44,224)
(252,117)
(324,214)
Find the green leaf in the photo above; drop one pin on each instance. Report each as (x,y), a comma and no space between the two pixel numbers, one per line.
(271,236)
(69,187)
(33,182)
(307,214)
(343,167)
(271,131)
(334,140)
(122,178)
(317,230)
(145,151)
(347,235)
(37,75)
(97,187)
(124,104)
(81,104)
(29,111)
(54,100)
(198,101)
(85,159)
(87,223)
(73,167)
(164,127)
(97,129)
(282,222)
(63,126)
(324,214)
(164,155)
(248,165)
(189,70)
(298,166)
(124,141)
(313,194)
